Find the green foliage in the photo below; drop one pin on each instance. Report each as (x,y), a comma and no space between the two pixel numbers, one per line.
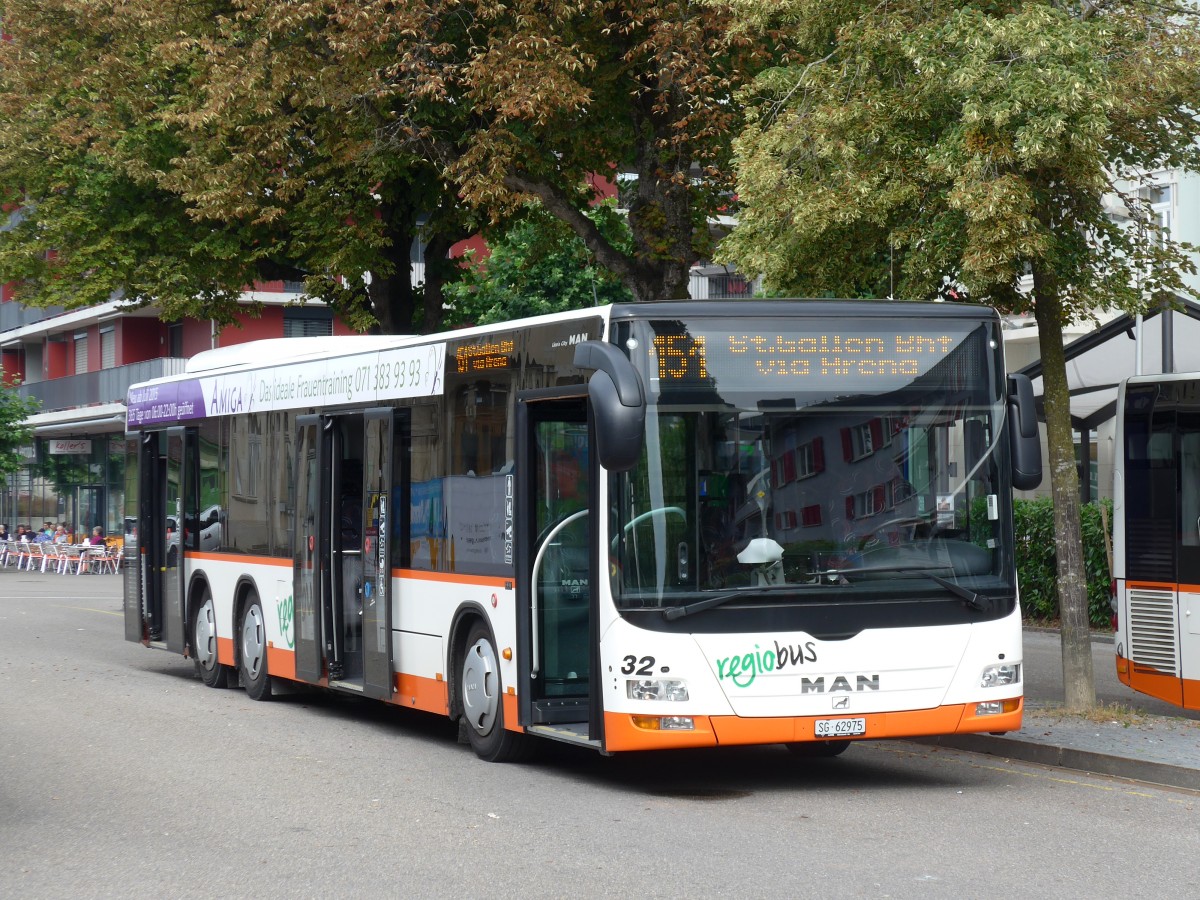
(919,146)
(1036,560)
(169,152)
(537,266)
(14,433)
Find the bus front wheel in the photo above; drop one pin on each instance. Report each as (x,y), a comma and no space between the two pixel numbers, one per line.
(253,645)
(204,644)
(482,703)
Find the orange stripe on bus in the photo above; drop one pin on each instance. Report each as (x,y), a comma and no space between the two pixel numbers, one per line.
(454,578)
(503,581)
(416,692)
(621,734)
(239,557)
(1191,693)
(511,714)
(225,651)
(281,662)
(1166,687)
(1164,586)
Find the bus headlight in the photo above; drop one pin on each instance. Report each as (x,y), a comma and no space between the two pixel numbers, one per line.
(656,689)
(1000,675)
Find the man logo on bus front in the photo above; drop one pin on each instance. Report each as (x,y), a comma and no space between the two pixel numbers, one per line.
(841,702)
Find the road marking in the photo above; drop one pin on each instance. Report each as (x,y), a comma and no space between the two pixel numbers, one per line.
(106,612)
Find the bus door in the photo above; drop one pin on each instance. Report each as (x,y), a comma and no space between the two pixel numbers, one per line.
(343,610)
(160,518)
(1189,543)
(556,568)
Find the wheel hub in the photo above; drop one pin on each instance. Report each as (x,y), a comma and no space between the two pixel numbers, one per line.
(480,686)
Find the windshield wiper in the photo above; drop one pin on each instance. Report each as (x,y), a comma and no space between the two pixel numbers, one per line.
(968,596)
(672,613)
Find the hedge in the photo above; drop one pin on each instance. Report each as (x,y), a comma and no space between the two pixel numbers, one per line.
(1034,527)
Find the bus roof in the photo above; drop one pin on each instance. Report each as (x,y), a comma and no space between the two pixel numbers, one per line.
(298,373)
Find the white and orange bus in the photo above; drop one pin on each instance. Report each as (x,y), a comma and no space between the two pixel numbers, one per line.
(667,525)
(1156,537)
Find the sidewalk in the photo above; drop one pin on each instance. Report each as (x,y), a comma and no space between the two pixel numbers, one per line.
(1154,749)
(1141,739)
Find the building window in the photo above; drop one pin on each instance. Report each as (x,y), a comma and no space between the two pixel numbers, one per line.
(81,353)
(862,440)
(867,503)
(316,322)
(108,347)
(1159,198)
(810,458)
(175,339)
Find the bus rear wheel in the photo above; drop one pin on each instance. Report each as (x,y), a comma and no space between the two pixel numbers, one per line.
(818,749)
(204,644)
(482,703)
(252,637)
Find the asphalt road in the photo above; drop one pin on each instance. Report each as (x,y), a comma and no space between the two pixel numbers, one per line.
(121,775)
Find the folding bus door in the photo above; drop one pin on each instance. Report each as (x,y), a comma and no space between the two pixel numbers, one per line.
(310,552)
(160,527)
(557,563)
(385,513)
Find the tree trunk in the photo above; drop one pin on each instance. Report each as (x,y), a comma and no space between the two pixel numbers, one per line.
(438,267)
(392,294)
(1079,688)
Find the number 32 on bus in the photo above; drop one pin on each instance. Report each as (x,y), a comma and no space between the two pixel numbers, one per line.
(630,528)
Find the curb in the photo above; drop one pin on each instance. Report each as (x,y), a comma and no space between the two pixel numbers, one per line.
(1096,637)
(1057,756)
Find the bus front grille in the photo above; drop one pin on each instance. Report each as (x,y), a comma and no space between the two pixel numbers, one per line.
(1152,633)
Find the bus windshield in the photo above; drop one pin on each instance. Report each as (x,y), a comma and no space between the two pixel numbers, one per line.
(806,462)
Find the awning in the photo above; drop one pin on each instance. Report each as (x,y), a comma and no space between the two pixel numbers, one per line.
(107,418)
(1099,361)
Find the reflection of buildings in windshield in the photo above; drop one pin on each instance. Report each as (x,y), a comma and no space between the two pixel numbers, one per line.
(821,470)
(830,482)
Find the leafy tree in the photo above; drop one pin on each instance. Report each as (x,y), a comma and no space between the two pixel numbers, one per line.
(967,148)
(537,265)
(123,174)
(172,151)
(14,432)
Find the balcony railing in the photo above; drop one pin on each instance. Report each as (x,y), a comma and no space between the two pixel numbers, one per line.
(18,315)
(93,388)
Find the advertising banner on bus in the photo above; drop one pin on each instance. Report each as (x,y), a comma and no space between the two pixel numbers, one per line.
(362,378)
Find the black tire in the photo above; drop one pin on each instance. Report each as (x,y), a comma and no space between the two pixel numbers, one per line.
(482,702)
(252,650)
(818,749)
(204,644)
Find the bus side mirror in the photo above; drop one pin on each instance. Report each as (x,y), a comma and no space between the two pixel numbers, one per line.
(1023,432)
(618,404)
